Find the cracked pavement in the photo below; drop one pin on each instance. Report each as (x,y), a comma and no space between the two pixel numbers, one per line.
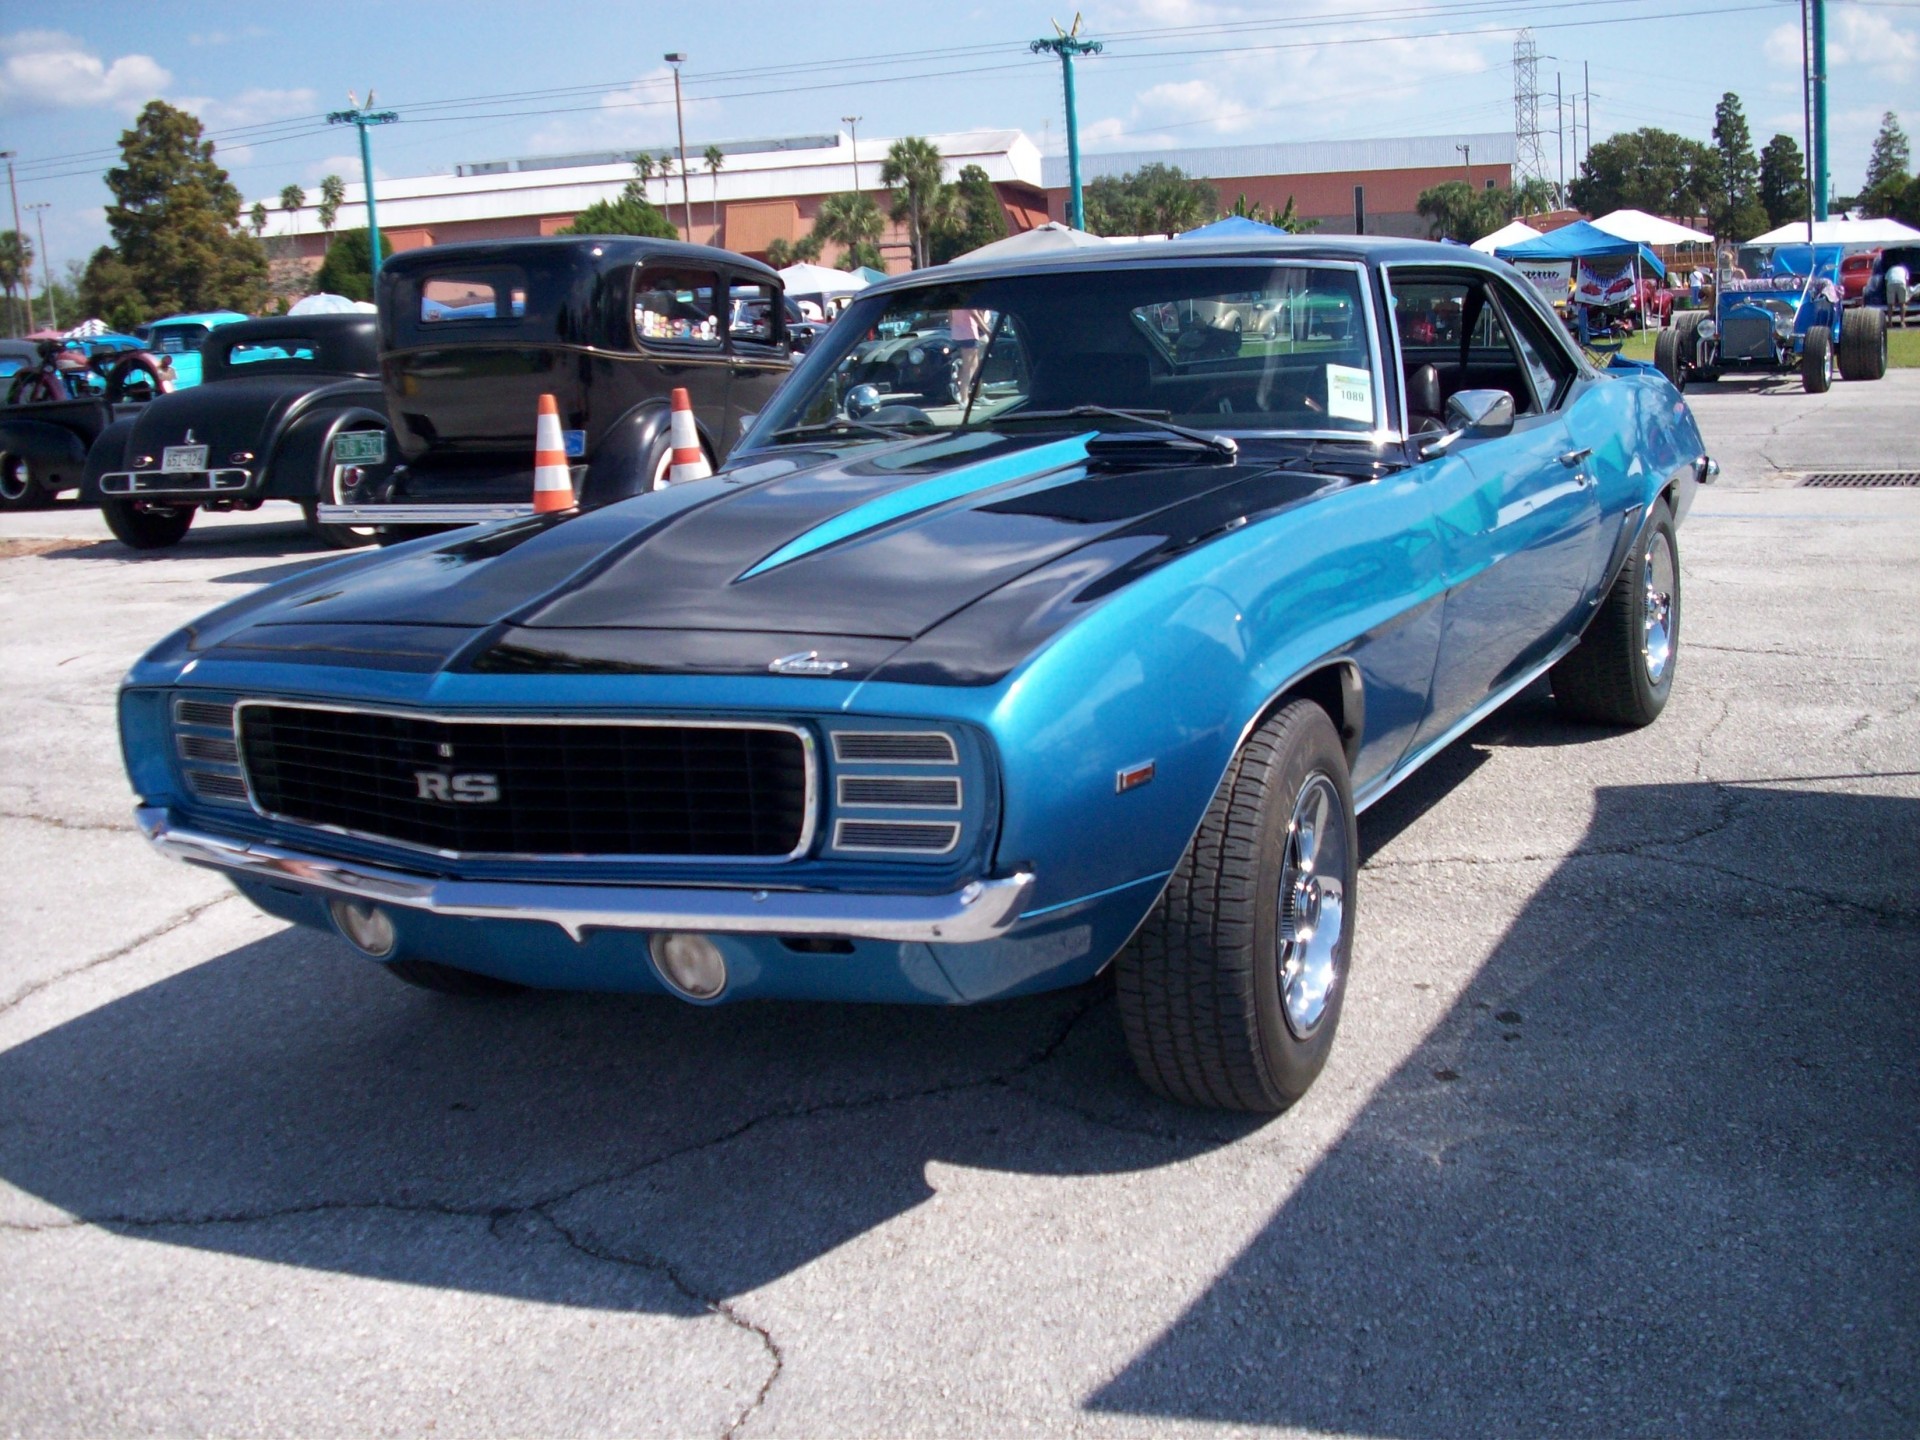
(1620,1134)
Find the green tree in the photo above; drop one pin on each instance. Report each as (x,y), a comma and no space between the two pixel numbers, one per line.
(782,253)
(1649,169)
(975,218)
(714,159)
(1734,208)
(1286,218)
(257,219)
(628,213)
(109,291)
(16,272)
(348,267)
(1532,196)
(175,219)
(912,172)
(333,194)
(1891,156)
(1783,181)
(1153,200)
(291,199)
(853,222)
(643,167)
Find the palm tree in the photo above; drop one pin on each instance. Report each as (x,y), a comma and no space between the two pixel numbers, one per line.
(852,221)
(257,218)
(643,168)
(912,172)
(16,265)
(333,194)
(291,199)
(715,158)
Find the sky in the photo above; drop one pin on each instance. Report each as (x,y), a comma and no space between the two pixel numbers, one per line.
(483,80)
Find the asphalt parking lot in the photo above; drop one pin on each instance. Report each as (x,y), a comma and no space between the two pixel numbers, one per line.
(1622,1134)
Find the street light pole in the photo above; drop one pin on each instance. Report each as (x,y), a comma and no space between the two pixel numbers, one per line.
(363,118)
(1066,46)
(1821,160)
(1466,158)
(676,59)
(852,122)
(46,265)
(12,190)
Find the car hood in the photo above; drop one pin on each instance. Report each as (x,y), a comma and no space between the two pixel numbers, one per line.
(859,552)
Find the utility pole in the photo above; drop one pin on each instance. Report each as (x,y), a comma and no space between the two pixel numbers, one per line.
(1560,128)
(852,122)
(1806,105)
(363,118)
(1466,158)
(12,190)
(1067,44)
(1820,158)
(1586,93)
(46,265)
(676,59)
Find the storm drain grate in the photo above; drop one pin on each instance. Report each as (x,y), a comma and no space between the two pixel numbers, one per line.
(1861,479)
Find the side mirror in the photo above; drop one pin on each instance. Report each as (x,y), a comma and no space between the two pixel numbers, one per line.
(861,400)
(1482,414)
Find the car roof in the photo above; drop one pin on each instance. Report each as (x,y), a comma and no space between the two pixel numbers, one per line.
(209,318)
(600,252)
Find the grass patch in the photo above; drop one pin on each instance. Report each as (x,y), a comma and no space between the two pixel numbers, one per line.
(1903,348)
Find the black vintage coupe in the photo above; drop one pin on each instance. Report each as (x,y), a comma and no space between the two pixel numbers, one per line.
(288,409)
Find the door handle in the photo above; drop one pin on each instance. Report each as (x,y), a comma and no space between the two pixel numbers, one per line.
(1574,457)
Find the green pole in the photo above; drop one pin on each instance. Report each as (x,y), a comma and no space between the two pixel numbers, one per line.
(362,119)
(1066,47)
(1820,158)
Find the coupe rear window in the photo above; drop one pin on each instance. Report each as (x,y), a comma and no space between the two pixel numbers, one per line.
(489,296)
(179,339)
(256,352)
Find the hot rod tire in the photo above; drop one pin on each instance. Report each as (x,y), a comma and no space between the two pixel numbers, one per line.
(1666,358)
(1816,361)
(1622,670)
(147,527)
(18,490)
(446,980)
(1863,344)
(1230,991)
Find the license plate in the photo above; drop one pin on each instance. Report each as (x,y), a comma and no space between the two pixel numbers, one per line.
(183,457)
(360,447)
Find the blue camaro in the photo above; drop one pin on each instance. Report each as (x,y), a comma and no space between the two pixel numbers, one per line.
(1087,655)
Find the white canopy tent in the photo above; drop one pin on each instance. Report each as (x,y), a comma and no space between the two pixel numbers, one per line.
(1040,240)
(327,303)
(805,279)
(1840,232)
(1650,229)
(1511,233)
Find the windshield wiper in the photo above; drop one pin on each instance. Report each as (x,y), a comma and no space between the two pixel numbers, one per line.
(1214,444)
(828,427)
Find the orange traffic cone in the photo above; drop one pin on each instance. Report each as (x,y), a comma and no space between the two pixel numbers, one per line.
(689,460)
(552,480)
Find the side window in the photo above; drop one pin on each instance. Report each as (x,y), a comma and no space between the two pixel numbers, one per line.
(1450,325)
(674,307)
(1551,368)
(481,296)
(756,321)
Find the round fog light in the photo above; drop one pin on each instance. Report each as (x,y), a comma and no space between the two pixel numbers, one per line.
(691,964)
(366,927)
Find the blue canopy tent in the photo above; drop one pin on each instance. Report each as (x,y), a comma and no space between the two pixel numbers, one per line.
(1582,241)
(1233,227)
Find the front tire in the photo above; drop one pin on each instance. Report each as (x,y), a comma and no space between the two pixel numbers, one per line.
(1863,344)
(1622,670)
(1816,361)
(1666,358)
(1231,990)
(142,526)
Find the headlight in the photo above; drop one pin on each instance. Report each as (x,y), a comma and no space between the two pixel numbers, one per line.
(1707,330)
(916,355)
(1783,325)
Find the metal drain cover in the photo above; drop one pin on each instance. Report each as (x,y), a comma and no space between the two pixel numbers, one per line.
(1862,479)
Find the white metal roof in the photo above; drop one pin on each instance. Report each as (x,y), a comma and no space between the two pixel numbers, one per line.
(1309,157)
(1649,229)
(1840,231)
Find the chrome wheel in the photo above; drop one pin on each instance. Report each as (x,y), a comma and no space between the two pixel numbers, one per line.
(1656,646)
(16,481)
(1313,904)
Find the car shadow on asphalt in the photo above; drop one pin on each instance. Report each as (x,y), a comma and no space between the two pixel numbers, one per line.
(1655,1171)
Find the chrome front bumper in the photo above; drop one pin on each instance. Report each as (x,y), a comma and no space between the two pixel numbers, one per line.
(978,910)
(447,514)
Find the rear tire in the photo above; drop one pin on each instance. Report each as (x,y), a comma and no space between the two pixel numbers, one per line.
(1231,990)
(18,491)
(147,527)
(1622,670)
(1666,358)
(1816,361)
(334,537)
(446,980)
(1863,344)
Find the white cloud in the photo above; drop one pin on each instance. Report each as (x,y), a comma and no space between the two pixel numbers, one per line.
(637,115)
(46,70)
(1854,37)
(252,107)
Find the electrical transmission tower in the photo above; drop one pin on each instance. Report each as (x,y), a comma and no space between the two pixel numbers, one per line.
(1529,148)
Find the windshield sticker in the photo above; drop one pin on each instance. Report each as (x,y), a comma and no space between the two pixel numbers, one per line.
(1349,393)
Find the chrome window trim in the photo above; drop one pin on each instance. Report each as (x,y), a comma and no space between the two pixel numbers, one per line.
(841,801)
(953,750)
(953,827)
(810,796)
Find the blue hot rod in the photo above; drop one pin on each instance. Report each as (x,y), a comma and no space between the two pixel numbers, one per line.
(1783,322)
(1088,659)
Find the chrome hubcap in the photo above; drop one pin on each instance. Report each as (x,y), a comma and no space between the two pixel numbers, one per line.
(13,477)
(1656,646)
(1313,904)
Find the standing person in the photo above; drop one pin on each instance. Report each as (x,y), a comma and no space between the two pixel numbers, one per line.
(1898,292)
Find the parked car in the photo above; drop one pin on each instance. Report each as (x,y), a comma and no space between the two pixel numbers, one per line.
(1855,270)
(180,338)
(59,401)
(289,408)
(1781,323)
(1095,666)
(610,326)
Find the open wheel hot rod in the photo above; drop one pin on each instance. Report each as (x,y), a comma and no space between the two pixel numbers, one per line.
(971,695)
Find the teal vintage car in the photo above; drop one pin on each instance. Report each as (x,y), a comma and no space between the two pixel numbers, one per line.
(180,338)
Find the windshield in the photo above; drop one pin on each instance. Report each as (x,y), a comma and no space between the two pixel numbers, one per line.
(1244,346)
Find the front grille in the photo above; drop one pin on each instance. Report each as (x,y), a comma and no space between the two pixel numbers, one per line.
(526,787)
(925,838)
(211,786)
(909,747)
(900,792)
(1746,337)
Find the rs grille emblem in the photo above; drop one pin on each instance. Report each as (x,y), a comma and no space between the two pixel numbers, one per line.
(469,789)
(805,662)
